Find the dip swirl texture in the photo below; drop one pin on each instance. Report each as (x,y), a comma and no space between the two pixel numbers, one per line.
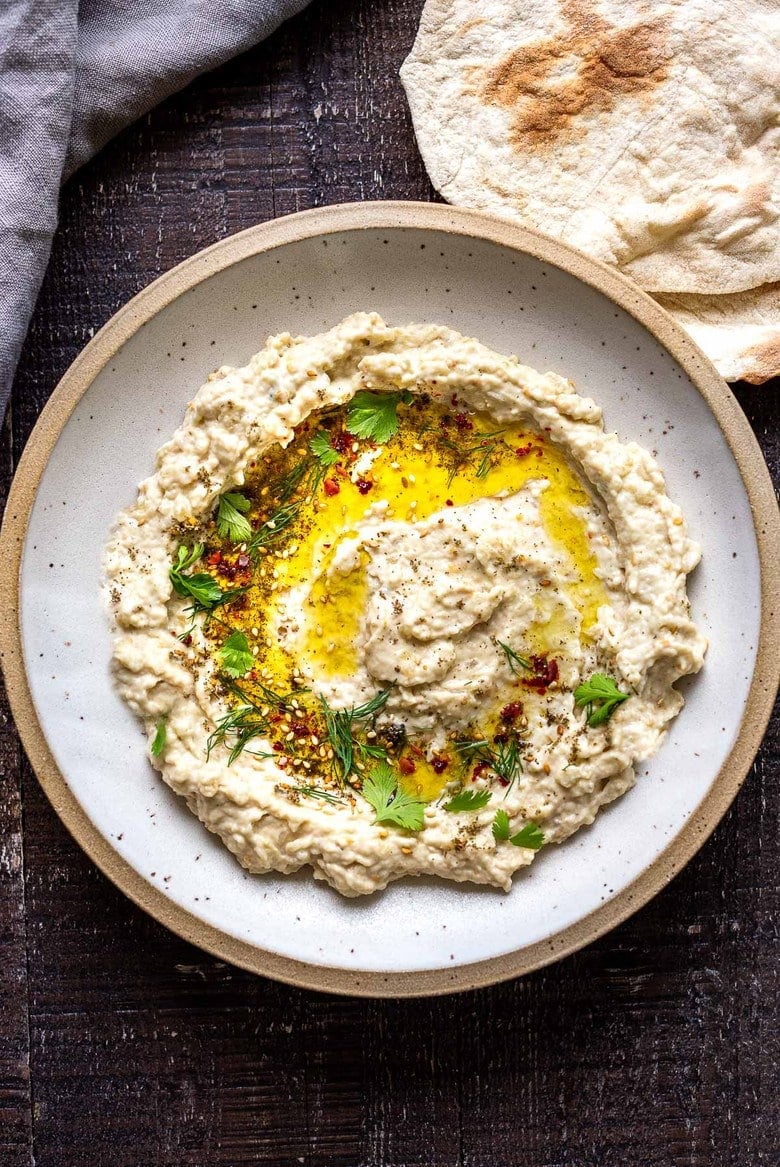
(403,522)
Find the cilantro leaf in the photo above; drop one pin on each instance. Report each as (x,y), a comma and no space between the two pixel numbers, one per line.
(235,655)
(516,662)
(529,836)
(322,449)
(601,696)
(200,587)
(158,745)
(374,415)
(501,826)
(468,800)
(391,804)
(231,521)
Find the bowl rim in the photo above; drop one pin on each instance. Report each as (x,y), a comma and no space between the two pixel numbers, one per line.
(456,221)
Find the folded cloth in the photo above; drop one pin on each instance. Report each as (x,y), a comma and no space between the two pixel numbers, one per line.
(71,75)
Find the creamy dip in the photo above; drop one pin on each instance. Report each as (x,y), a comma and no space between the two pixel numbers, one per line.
(395,604)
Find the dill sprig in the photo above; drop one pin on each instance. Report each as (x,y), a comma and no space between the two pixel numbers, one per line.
(340,724)
(463,455)
(247,721)
(517,663)
(292,490)
(503,757)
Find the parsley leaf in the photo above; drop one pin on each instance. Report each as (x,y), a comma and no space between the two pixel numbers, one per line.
(322,449)
(374,415)
(391,804)
(158,745)
(501,826)
(468,800)
(235,655)
(201,587)
(231,521)
(601,696)
(529,836)
(514,660)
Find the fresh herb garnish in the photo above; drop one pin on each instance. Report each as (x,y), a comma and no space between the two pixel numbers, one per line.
(161,732)
(529,836)
(503,757)
(463,455)
(235,655)
(200,587)
(303,480)
(272,528)
(601,697)
(340,726)
(315,792)
(515,661)
(392,805)
(232,523)
(322,449)
(374,415)
(247,721)
(468,800)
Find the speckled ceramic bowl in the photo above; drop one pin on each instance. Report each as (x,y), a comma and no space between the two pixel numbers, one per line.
(518,293)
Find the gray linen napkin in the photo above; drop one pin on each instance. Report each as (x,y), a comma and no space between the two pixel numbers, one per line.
(73,74)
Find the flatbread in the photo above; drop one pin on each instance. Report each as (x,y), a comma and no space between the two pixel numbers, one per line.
(646,134)
(740,333)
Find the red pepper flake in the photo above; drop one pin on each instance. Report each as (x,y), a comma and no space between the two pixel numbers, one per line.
(406,766)
(501,739)
(539,452)
(449,502)
(454,399)
(545,673)
(299,729)
(439,764)
(521,451)
(479,770)
(331,487)
(187,640)
(342,442)
(463,422)
(512,711)
(214,558)
(364,485)
(279,746)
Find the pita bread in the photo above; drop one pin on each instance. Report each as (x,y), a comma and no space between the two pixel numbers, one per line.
(646,134)
(740,333)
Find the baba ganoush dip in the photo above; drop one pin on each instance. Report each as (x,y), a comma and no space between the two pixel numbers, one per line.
(395,604)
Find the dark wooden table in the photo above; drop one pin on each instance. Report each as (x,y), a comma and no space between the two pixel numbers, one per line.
(124,1047)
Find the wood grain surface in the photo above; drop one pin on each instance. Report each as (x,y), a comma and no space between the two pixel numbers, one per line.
(122,1046)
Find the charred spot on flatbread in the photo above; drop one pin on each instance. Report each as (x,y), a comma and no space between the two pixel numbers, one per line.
(551,82)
